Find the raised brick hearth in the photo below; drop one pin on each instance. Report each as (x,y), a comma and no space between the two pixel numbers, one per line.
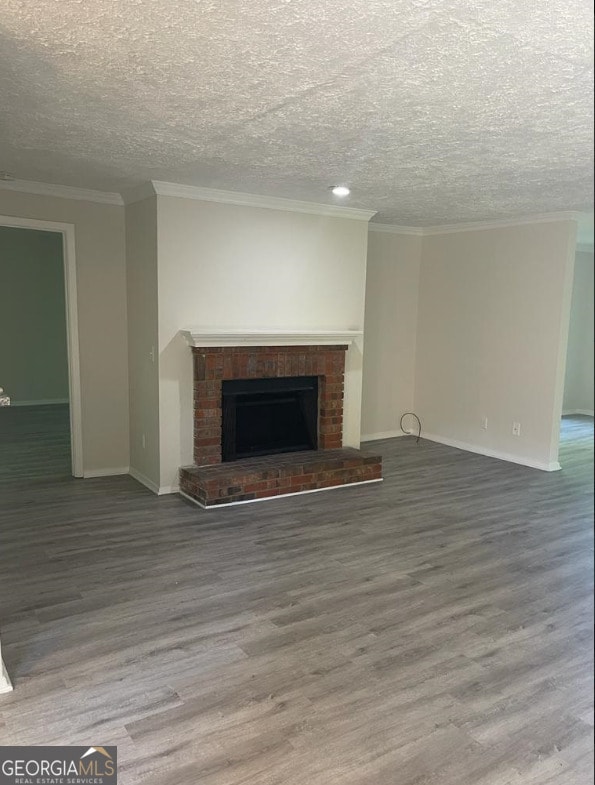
(211,482)
(277,475)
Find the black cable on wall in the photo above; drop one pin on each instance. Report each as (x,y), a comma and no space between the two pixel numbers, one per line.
(411,414)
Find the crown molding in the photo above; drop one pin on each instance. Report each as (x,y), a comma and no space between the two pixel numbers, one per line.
(198,336)
(474,226)
(61,191)
(160,188)
(138,193)
(257,200)
(502,223)
(416,231)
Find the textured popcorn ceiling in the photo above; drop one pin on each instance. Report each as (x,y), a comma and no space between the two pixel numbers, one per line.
(431,110)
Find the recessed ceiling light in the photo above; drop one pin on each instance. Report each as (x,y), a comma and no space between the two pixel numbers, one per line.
(340,190)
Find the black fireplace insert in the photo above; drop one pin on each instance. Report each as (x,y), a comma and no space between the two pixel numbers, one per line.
(267,416)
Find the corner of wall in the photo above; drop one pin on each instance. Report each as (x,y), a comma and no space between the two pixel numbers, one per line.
(475,289)
(143,349)
(390,332)
(565,308)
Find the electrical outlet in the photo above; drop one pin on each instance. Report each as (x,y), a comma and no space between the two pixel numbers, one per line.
(143,441)
(484,423)
(516,429)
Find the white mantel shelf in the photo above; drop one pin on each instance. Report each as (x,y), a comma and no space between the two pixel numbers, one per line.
(202,337)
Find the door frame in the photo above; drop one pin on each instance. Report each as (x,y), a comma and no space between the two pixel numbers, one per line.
(72,329)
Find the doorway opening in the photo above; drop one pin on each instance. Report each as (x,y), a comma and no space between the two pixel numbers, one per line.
(577,410)
(40,408)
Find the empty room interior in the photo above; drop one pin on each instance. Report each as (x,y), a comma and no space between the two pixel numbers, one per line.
(296,392)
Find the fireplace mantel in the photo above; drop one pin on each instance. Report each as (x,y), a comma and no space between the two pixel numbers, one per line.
(204,337)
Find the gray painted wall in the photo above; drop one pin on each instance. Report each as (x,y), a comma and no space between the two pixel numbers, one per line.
(33,348)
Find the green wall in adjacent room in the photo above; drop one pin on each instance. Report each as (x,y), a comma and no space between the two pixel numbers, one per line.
(33,348)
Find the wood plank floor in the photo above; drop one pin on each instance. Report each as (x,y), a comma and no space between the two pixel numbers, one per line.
(435,629)
(34,442)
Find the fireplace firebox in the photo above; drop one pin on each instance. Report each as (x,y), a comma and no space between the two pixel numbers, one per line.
(268,416)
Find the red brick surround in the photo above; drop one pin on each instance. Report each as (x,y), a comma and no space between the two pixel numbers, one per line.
(211,482)
(212,365)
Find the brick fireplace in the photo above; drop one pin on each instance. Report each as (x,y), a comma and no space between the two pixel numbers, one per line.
(211,481)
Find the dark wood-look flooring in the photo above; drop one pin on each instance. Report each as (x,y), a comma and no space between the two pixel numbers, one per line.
(34,442)
(435,629)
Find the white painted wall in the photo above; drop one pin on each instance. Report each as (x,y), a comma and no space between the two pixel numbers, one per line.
(33,344)
(143,339)
(490,337)
(390,331)
(229,266)
(578,390)
(101,291)
(493,317)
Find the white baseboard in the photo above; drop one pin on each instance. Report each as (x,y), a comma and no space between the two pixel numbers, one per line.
(5,685)
(144,480)
(372,437)
(165,489)
(105,472)
(159,490)
(279,496)
(554,466)
(44,402)
(586,412)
